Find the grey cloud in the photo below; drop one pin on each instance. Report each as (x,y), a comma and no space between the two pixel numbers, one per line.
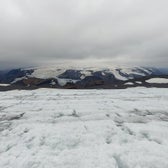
(120,31)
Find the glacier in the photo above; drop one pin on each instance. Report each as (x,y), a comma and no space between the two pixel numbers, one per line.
(49,128)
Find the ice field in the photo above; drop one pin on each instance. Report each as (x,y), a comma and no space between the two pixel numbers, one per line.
(52,128)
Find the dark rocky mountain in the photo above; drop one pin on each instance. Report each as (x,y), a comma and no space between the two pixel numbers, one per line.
(83,78)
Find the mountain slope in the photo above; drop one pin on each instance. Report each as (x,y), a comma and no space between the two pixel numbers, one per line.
(83,77)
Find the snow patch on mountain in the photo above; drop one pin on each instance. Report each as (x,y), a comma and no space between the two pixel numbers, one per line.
(2,84)
(120,74)
(157,80)
(47,72)
(63,82)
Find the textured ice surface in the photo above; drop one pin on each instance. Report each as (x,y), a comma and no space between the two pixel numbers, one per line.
(51,128)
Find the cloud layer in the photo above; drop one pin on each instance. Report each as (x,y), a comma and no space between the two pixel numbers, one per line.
(120,31)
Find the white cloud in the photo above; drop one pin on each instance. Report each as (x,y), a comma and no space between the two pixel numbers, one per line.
(130,31)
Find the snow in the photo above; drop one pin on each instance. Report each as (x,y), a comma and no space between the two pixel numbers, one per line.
(63,82)
(55,71)
(135,72)
(4,84)
(53,82)
(118,76)
(47,72)
(86,72)
(129,83)
(49,128)
(18,79)
(157,80)
(138,82)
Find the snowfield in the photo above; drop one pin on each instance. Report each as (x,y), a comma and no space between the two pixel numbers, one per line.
(157,80)
(52,128)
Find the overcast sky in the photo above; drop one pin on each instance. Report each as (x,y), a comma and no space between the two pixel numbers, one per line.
(117,31)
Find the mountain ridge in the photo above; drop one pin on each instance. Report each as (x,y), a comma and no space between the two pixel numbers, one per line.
(83,78)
